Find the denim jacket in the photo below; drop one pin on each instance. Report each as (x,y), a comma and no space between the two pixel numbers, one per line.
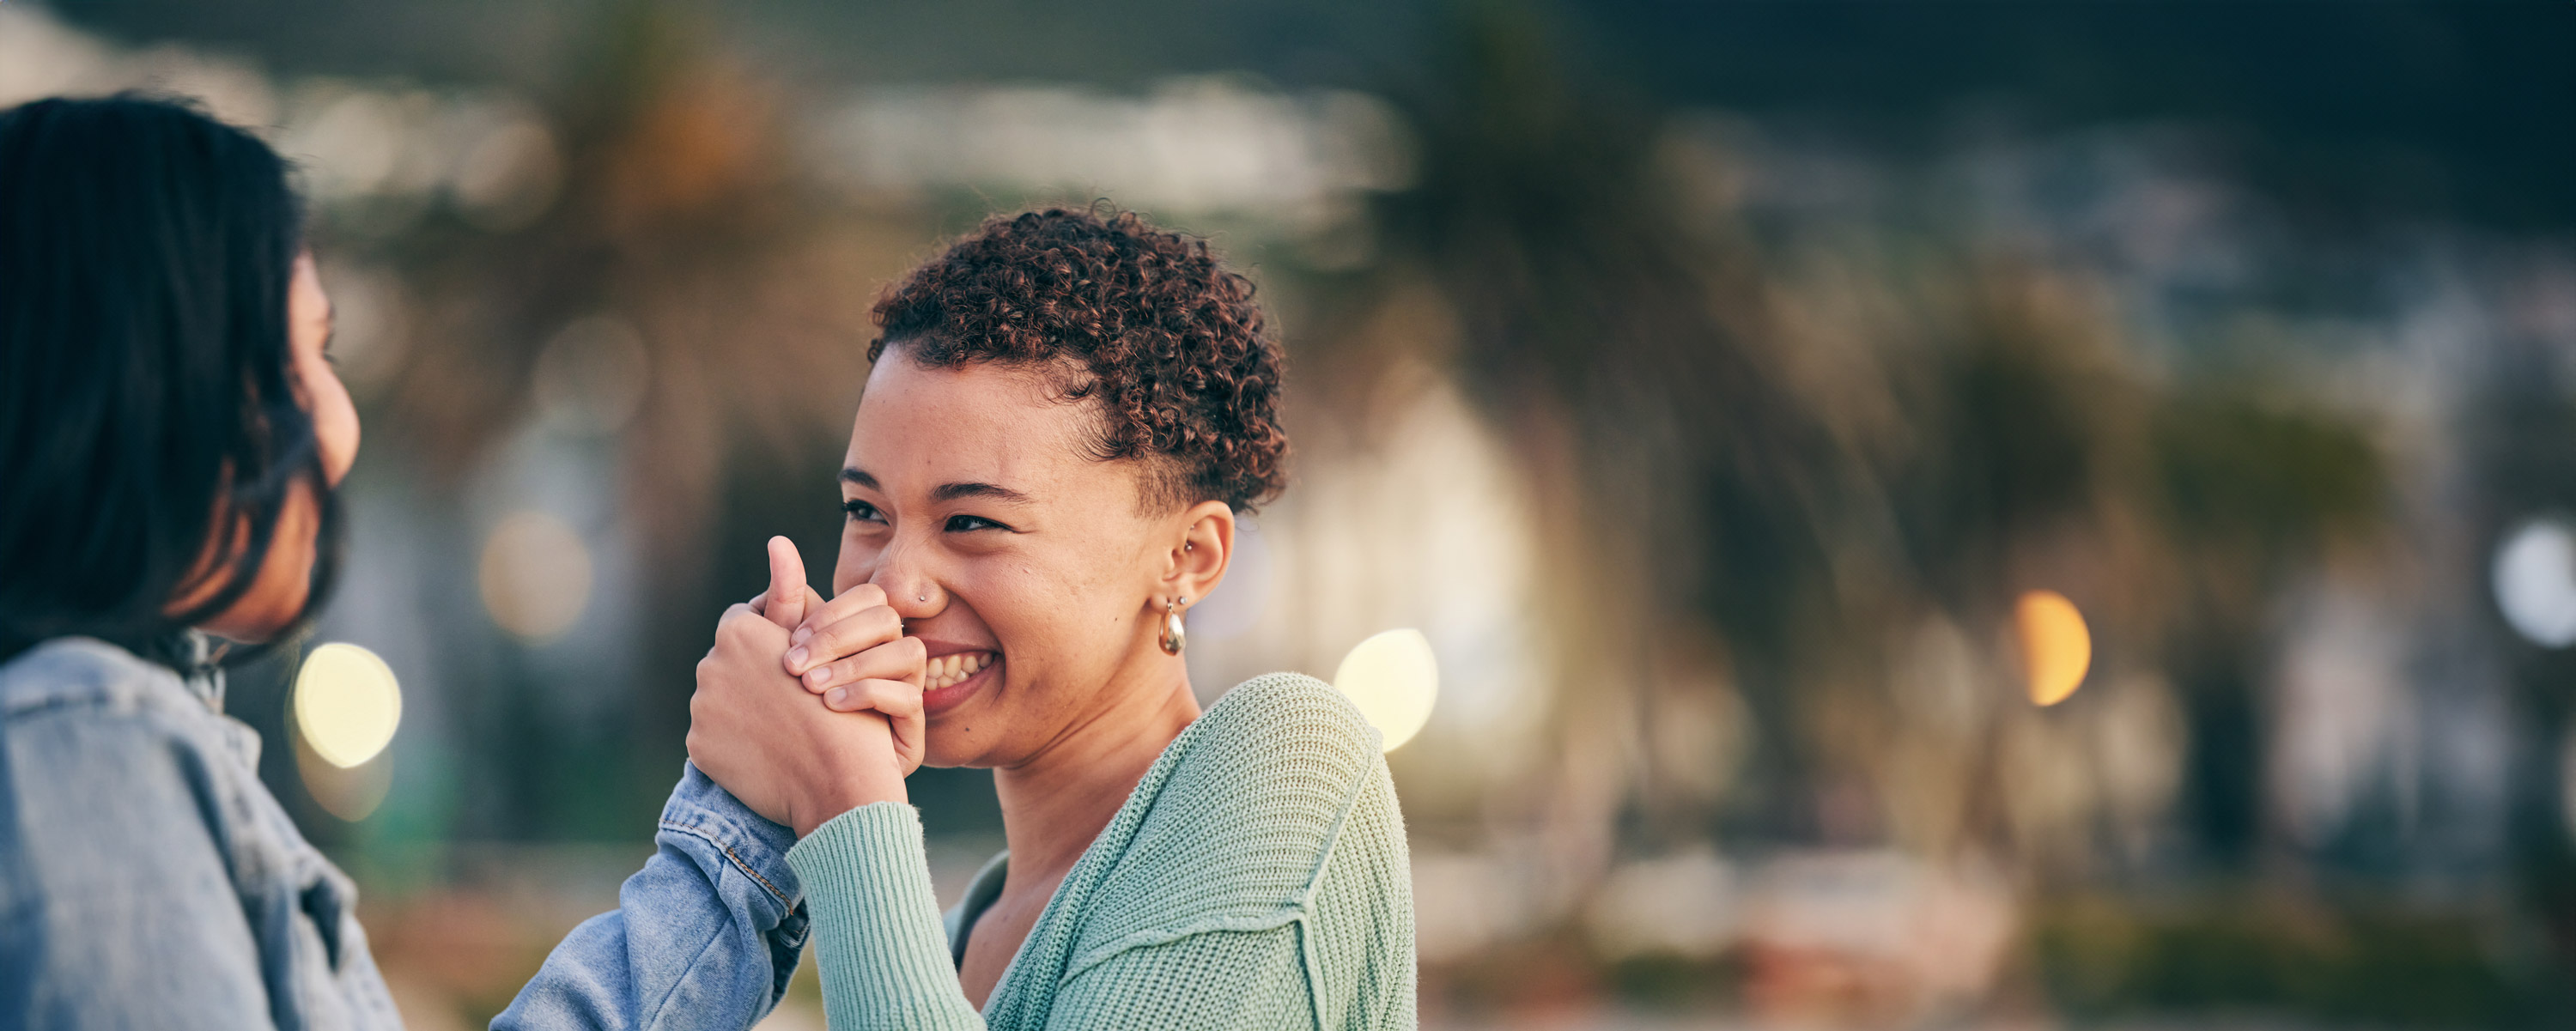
(148,880)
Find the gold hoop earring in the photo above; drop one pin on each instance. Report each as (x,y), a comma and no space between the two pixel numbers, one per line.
(1175,637)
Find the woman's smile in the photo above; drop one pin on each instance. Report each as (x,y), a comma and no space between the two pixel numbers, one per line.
(953,674)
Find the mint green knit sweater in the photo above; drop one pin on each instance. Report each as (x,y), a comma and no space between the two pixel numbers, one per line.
(1256,878)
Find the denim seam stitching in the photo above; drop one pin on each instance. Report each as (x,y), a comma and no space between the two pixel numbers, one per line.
(730,856)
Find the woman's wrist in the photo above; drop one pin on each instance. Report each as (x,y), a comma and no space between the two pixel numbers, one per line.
(844,794)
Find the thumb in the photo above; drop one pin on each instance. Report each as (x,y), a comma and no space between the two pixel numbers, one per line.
(787,589)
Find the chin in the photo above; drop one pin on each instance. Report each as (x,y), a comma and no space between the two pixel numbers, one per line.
(951,744)
(948,758)
(262,632)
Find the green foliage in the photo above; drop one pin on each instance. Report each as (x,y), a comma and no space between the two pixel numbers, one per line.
(2239,471)
(2374,966)
(1667,981)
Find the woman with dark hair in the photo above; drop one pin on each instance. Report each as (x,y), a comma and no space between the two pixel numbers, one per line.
(1066,417)
(171,432)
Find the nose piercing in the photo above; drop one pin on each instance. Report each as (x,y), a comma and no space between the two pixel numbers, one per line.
(921,597)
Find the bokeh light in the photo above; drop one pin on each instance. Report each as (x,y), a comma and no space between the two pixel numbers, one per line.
(2535,581)
(535,576)
(510,173)
(2056,649)
(591,376)
(347,703)
(1393,678)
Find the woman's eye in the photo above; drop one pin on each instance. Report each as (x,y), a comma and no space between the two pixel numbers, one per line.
(862,512)
(967,523)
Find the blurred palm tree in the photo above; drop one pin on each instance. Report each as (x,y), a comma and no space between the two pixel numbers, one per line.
(1622,362)
(1706,457)
(679,217)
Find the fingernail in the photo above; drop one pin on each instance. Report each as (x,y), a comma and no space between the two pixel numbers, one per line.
(795,657)
(799,636)
(819,676)
(838,696)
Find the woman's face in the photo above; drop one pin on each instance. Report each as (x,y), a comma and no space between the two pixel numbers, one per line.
(285,576)
(973,502)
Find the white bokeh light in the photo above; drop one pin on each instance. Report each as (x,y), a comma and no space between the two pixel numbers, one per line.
(1393,678)
(347,704)
(2535,581)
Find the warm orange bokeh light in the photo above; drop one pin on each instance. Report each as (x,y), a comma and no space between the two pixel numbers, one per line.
(2056,649)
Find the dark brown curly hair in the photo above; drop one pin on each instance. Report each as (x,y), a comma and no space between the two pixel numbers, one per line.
(1148,323)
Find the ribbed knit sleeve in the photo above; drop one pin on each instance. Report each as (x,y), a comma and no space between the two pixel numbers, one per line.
(877,939)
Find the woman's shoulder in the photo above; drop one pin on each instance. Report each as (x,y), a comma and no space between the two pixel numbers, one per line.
(1276,744)
(1236,826)
(84,675)
(1287,718)
(106,754)
(86,718)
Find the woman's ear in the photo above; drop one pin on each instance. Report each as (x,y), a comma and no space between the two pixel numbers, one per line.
(1197,561)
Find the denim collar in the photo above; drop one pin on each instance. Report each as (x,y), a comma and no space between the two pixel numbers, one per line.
(197,656)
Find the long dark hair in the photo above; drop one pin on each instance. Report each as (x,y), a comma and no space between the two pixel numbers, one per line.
(147,398)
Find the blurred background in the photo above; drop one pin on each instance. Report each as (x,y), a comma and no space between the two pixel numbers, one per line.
(1927,515)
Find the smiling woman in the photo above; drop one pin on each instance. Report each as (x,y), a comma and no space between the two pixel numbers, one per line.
(1067,414)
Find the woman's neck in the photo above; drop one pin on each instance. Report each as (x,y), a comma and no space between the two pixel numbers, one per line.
(1054,804)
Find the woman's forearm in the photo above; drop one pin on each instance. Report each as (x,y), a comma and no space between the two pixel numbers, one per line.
(704,936)
(877,937)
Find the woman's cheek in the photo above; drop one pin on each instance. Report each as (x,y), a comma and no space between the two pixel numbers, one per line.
(1034,619)
(335,416)
(858,559)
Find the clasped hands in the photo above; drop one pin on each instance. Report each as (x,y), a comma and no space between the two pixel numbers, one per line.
(806,709)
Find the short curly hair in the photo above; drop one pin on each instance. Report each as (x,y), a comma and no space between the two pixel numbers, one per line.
(1148,323)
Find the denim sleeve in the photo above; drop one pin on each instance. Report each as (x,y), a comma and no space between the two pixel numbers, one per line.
(705,936)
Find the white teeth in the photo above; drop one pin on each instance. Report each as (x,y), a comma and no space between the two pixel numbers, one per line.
(953,669)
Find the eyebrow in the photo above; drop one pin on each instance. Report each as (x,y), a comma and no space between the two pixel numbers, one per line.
(945,491)
(954,491)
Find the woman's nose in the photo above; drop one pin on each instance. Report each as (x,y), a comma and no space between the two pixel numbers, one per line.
(910,589)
